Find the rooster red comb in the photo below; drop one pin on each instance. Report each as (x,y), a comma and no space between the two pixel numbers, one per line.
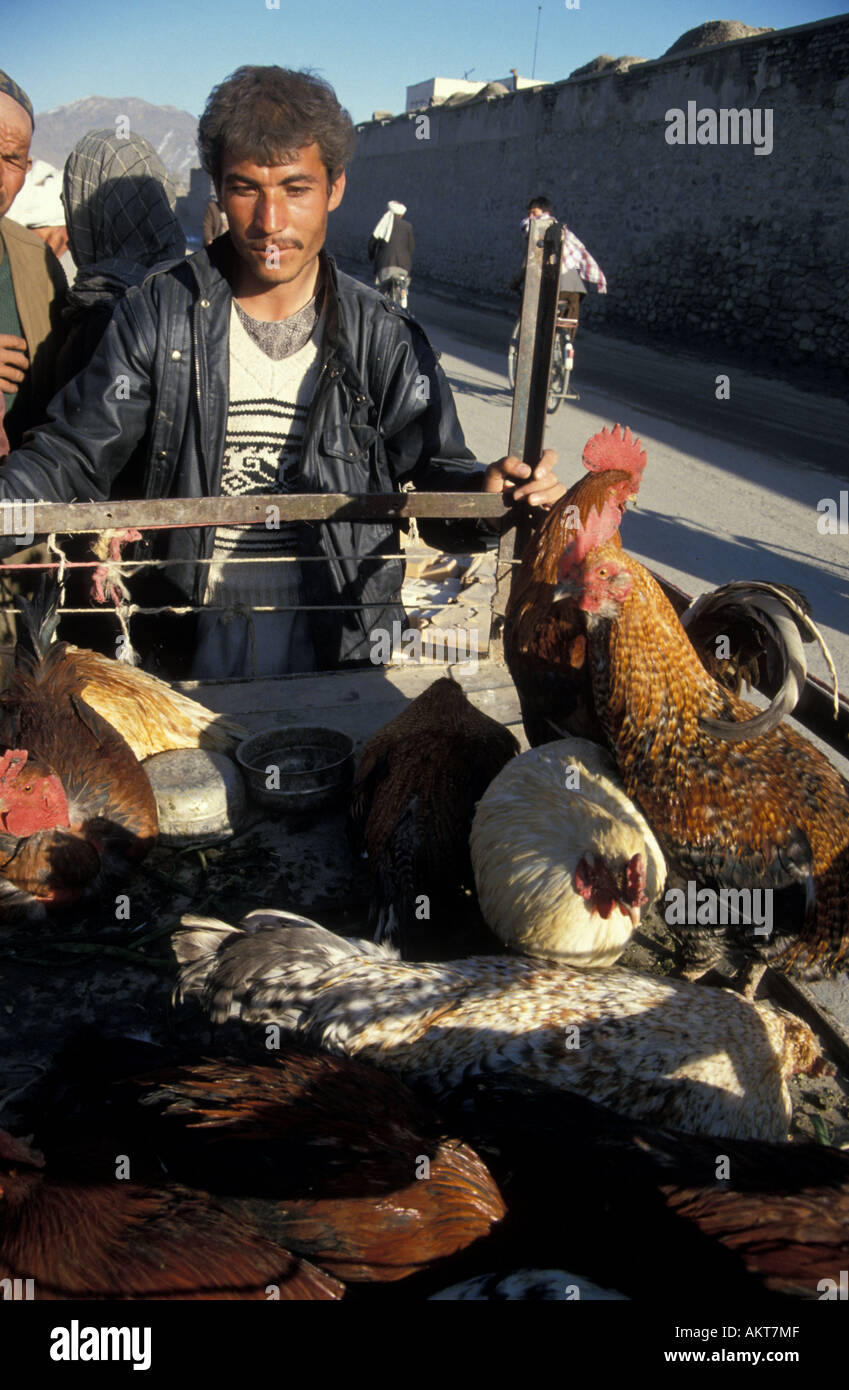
(615,450)
(11,762)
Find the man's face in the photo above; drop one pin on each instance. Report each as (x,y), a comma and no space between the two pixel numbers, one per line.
(278,213)
(15,137)
(536,212)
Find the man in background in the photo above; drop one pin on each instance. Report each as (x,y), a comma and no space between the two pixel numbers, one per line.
(32,283)
(578,268)
(391,247)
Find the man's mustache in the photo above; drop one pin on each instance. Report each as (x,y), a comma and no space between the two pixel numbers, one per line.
(288,244)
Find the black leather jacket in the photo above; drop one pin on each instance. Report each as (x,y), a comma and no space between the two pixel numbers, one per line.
(157,388)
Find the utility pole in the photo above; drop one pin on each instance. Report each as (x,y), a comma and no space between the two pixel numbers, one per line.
(536,41)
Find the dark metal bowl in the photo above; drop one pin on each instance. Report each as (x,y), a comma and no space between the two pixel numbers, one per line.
(309,768)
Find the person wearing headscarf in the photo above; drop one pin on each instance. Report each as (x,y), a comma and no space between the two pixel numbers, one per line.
(391,247)
(578,268)
(119,213)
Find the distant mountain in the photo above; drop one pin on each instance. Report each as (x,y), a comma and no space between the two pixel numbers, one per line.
(172,132)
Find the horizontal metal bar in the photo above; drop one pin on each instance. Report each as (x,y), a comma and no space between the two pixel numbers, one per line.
(156,513)
(135,609)
(407,555)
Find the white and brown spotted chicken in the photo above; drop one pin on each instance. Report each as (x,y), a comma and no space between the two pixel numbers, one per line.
(666,1051)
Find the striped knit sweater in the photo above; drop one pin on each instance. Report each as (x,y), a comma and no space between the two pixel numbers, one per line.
(269,401)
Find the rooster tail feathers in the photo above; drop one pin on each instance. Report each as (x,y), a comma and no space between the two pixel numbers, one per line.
(40,616)
(199,939)
(615,450)
(274,958)
(783,614)
(196,947)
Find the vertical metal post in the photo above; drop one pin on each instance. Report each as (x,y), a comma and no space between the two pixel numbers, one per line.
(538,325)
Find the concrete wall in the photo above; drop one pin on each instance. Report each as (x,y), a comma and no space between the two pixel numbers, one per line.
(743,255)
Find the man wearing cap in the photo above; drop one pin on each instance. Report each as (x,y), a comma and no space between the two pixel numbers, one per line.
(391,247)
(32,283)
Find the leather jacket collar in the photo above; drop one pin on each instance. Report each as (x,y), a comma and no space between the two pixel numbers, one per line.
(213,269)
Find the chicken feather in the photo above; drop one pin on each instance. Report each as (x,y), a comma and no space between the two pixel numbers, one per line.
(563,859)
(544,641)
(412,803)
(770,813)
(679,1054)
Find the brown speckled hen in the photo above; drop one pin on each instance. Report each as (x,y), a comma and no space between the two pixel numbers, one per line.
(743,1218)
(97,1238)
(414,796)
(544,639)
(93,812)
(332,1158)
(770,813)
(326,1156)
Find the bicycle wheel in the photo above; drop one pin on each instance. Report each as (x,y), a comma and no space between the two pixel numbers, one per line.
(558,378)
(512,353)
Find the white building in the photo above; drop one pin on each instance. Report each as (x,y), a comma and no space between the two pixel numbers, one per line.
(437,89)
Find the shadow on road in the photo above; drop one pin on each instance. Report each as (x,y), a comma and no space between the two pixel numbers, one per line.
(671,541)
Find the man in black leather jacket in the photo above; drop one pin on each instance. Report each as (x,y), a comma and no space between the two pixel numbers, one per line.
(381,413)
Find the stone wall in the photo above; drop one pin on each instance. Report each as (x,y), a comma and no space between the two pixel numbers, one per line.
(743,255)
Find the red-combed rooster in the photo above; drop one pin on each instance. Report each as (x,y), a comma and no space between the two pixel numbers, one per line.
(766,813)
(75,802)
(544,639)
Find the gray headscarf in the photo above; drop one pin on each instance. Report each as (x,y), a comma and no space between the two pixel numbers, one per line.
(119,208)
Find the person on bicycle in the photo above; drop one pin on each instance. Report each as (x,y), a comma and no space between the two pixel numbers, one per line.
(391,247)
(577,269)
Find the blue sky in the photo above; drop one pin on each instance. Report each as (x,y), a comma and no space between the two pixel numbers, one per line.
(173,51)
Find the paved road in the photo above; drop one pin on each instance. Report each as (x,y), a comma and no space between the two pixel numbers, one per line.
(731,487)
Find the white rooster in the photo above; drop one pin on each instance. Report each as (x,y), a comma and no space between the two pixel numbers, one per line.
(563,859)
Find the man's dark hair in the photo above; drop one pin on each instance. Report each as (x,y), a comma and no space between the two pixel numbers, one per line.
(544,205)
(267,114)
